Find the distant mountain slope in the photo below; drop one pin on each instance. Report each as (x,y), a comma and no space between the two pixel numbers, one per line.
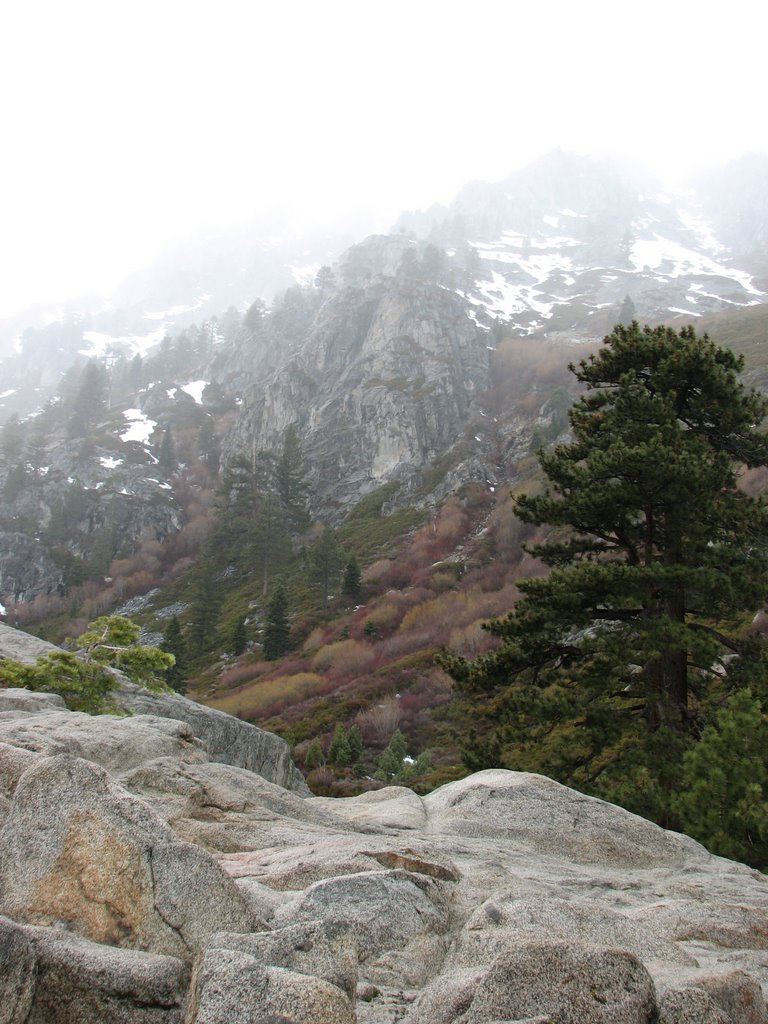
(562,242)
(387,364)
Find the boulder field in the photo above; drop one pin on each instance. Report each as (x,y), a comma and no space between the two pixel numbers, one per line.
(150,875)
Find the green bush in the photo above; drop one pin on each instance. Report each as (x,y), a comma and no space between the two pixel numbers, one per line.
(83,681)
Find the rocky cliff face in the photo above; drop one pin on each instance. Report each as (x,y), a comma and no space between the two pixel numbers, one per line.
(142,882)
(383,384)
(81,505)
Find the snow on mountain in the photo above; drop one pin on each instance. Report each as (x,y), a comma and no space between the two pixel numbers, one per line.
(674,265)
(140,427)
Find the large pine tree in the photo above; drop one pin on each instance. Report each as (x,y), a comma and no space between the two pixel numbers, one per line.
(655,557)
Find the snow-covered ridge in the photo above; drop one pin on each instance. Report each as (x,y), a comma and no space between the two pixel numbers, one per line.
(668,260)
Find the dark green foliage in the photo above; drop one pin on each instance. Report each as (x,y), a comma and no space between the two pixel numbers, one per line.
(390,763)
(723,797)
(203,611)
(239,639)
(289,477)
(325,559)
(114,640)
(655,557)
(352,582)
(83,687)
(627,313)
(314,755)
(355,743)
(277,628)
(339,753)
(82,681)
(173,643)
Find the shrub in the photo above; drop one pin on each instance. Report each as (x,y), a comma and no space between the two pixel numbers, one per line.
(83,687)
(382,617)
(270,696)
(472,640)
(380,721)
(346,657)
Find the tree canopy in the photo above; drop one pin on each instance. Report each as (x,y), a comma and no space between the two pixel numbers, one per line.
(655,554)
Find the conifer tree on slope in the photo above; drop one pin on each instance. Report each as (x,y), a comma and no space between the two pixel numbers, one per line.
(655,556)
(277,627)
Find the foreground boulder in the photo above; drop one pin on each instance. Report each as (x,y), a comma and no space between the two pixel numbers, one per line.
(142,882)
(76,848)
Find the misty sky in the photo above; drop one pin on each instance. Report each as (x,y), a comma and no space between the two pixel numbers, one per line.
(127,124)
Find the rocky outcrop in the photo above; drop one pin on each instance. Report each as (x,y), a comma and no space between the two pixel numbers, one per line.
(108,865)
(76,503)
(226,739)
(380,387)
(142,883)
(223,738)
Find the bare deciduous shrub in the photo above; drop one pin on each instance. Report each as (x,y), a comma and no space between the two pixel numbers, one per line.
(374,572)
(403,643)
(472,640)
(346,657)
(378,722)
(269,697)
(314,639)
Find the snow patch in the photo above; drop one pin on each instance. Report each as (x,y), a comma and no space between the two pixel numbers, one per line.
(137,344)
(177,310)
(195,390)
(677,260)
(109,463)
(139,427)
(305,275)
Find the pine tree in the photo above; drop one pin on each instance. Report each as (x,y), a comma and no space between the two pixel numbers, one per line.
(289,477)
(314,755)
(203,610)
(627,313)
(166,456)
(239,639)
(339,753)
(656,553)
(390,763)
(277,629)
(355,744)
(173,643)
(90,400)
(351,584)
(723,790)
(325,561)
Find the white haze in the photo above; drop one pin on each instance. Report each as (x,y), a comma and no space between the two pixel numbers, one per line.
(127,124)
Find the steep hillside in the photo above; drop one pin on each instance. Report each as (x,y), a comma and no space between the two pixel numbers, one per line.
(378,414)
